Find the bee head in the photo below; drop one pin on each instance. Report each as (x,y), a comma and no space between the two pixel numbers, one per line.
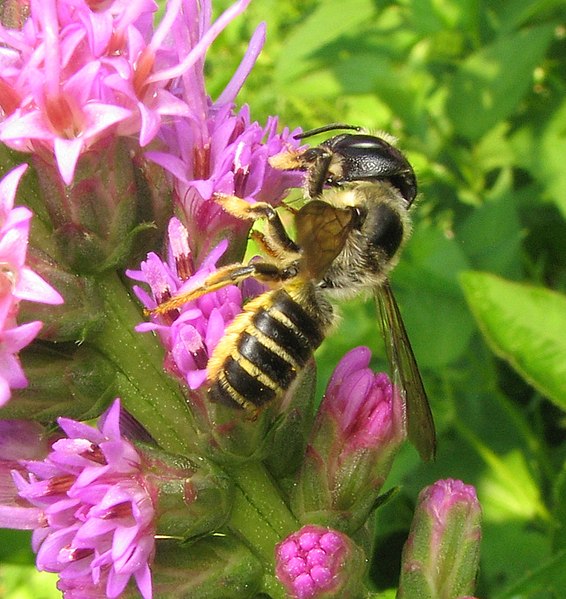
(364,157)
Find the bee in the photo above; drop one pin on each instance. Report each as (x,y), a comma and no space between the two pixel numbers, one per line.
(349,235)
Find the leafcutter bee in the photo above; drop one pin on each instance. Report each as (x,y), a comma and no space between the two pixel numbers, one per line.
(349,235)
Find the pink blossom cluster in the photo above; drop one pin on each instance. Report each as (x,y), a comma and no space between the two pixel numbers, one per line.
(18,283)
(92,509)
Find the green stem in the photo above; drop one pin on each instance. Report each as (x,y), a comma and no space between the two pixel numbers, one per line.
(260,515)
(148,393)
(273,588)
(252,477)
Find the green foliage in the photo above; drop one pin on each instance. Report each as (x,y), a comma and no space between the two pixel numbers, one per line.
(475,93)
(524,325)
(25,582)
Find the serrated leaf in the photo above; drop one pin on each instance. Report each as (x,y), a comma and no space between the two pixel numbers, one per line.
(526,326)
(491,81)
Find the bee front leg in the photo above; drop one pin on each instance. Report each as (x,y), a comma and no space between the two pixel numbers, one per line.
(277,238)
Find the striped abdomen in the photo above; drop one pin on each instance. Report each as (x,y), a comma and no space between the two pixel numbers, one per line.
(262,351)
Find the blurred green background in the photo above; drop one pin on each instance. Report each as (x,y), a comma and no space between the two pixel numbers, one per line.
(474,91)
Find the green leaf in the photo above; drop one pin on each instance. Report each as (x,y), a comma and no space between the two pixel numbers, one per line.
(514,13)
(544,580)
(490,82)
(524,325)
(559,511)
(550,168)
(508,490)
(425,284)
(492,236)
(327,23)
(25,582)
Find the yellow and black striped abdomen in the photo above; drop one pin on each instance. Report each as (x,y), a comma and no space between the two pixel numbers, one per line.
(263,351)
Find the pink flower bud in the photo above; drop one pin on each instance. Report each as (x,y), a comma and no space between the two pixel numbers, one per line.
(441,555)
(318,562)
(358,430)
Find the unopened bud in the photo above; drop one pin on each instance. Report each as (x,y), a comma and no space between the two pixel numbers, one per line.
(317,562)
(441,555)
(358,430)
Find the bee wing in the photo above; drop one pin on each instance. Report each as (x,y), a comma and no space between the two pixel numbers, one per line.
(405,373)
(322,230)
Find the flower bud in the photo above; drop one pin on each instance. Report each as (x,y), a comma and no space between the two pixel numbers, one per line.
(193,497)
(95,220)
(216,566)
(317,562)
(75,384)
(358,430)
(441,555)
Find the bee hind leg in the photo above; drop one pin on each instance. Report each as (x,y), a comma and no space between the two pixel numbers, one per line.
(227,275)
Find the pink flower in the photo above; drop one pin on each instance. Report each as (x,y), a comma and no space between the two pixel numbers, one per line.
(191,333)
(75,74)
(362,403)
(95,526)
(17,282)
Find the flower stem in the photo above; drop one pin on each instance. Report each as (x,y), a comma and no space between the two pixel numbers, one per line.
(259,514)
(147,392)
(261,517)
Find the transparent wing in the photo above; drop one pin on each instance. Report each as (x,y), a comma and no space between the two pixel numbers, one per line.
(405,373)
(322,230)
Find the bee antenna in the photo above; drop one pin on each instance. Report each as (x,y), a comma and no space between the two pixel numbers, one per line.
(324,128)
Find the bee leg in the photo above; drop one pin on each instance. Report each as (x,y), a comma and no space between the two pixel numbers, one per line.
(264,244)
(317,173)
(260,210)
(228,275)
